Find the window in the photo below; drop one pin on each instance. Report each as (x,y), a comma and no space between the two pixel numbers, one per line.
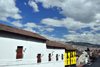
(71,54)
(38,58)
(67,55)
(74,54)
(49,57)
(56,57)
(19,52)
(62,57)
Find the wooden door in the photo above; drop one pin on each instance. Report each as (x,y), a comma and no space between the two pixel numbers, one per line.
(49,57)
(19,52)
(62,56)
(39,58)
(56,57)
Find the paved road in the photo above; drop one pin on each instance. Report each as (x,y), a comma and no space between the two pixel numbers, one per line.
(96,63)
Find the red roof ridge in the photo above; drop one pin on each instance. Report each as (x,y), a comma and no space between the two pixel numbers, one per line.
(59,45)
(11,29)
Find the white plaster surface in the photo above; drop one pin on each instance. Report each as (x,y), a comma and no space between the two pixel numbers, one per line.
(31,47)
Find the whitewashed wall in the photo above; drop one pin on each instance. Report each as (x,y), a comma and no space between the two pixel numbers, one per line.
(53,52)
(31,47)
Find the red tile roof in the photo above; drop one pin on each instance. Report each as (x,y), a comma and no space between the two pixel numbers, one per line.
(59,45)
(20,31)
(68,47)
(54,44)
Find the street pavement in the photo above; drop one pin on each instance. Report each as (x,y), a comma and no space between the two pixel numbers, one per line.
(96,63)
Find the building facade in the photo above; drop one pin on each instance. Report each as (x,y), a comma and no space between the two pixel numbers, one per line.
(20,48)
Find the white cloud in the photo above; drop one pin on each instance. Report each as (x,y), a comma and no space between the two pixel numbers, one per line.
(50,29)
(25,3)
(47,29)
(79,14)
(86,36)
(32,25)
(8,9)
(83,11)
(89,37)
(53,35)
(73,32)
(41,28)
(96,29)
(52,38)
(68,23)
(49,22)
(31,30)
(33,5)
(17,23)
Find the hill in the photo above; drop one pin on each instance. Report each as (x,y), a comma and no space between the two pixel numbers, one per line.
(83,44)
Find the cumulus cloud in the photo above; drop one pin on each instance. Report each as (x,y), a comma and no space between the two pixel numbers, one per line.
(96,28)
(17,23)
(32,25)
(52,38)
(41,28)
(73,32)
(79,14)
(31,30)
(85,36)
(50,29)
(84,11)
(25,3)
(33,5)
(69,23)
(47,29)
(89,37)
(8,9)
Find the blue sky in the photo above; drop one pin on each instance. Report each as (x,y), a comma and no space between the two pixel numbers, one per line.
(57,20)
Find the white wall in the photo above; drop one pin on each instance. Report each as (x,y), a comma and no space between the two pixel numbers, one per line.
(31,47)
(53,52)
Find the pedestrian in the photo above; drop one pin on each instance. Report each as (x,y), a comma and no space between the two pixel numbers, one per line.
(86,59)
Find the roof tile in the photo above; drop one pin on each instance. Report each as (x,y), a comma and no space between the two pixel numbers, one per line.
(20,31)
(55,44)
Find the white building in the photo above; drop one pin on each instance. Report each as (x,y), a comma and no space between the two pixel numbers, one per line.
(20,48)
(56,52)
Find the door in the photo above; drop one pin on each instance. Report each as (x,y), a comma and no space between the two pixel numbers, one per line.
(19,52)
(39,58)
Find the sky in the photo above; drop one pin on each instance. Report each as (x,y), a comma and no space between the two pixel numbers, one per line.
(56,20)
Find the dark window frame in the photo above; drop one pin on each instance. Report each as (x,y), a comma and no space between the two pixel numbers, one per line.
(56,57)
(49,57)
(62,56)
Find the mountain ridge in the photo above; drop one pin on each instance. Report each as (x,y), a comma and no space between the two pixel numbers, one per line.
(83,44)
